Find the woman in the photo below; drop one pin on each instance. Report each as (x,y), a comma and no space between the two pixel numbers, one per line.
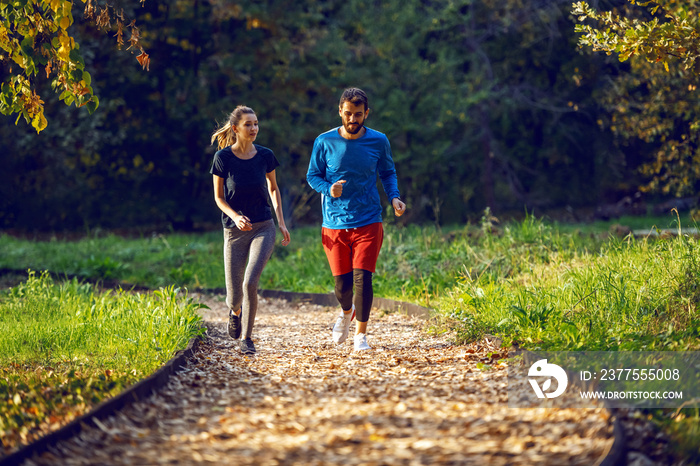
(241,171)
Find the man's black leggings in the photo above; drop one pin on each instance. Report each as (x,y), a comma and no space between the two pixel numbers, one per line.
(363,296)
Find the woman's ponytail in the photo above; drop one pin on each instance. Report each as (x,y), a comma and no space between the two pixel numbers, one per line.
(225,135)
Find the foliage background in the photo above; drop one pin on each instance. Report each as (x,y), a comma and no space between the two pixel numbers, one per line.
(485,103)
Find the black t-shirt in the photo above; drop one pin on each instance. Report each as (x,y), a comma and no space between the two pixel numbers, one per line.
(245,183)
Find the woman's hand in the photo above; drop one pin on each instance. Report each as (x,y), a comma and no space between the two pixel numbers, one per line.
(243,223)
(285,236)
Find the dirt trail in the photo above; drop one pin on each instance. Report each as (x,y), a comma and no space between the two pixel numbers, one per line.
(413,399)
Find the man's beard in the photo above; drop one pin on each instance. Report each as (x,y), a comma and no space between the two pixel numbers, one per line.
(353,128)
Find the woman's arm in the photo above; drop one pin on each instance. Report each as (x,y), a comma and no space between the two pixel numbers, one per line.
(241,221)
(276,198)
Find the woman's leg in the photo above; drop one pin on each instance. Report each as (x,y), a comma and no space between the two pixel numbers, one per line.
(236,245)
(261,247)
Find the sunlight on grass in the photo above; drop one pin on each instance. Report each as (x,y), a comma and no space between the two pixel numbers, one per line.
(64,347)
(621,294)
(542,284)
(44,322)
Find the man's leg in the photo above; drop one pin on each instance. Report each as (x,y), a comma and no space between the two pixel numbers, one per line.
(367,244)
(343,290)
(336,244)
(364,295)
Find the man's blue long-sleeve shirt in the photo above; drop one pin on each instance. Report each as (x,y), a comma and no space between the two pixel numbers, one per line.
(359,162)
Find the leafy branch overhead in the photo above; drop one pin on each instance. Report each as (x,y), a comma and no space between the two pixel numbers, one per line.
(657,106)
(666,31)
(34,39)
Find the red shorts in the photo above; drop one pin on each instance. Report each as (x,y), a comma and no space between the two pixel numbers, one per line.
(354,248)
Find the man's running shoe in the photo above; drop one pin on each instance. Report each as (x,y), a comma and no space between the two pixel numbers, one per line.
(342,326)
(361,342)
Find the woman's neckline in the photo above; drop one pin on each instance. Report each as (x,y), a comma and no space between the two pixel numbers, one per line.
(255,152)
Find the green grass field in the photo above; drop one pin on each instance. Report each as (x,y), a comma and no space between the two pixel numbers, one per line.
(65,347)
(541,284)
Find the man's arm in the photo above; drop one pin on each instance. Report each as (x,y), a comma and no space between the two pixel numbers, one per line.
(387,173)
(316,174)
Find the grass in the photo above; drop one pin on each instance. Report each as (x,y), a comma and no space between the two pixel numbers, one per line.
(553,291)
(153,262)
(540,284)
(65,347)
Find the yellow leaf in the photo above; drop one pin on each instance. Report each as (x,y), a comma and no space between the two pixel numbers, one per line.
(63,53)
(39,122)
(666,65)
(20,60)
(65,22)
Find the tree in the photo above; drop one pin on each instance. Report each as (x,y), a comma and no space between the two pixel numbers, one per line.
(668,31)
(656,101)
(35,39)
(489,106)
(485,103)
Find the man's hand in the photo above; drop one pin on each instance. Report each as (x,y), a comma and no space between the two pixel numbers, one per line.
(399,206)
(337,188)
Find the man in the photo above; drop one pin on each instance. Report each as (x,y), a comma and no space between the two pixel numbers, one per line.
(344,166)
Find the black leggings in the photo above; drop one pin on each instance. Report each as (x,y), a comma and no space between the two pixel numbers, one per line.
(362,279)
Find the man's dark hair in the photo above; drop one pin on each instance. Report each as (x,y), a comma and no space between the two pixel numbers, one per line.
(355,96)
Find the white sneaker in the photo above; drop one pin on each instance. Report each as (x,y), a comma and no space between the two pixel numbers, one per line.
(361,342)
(341,329)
